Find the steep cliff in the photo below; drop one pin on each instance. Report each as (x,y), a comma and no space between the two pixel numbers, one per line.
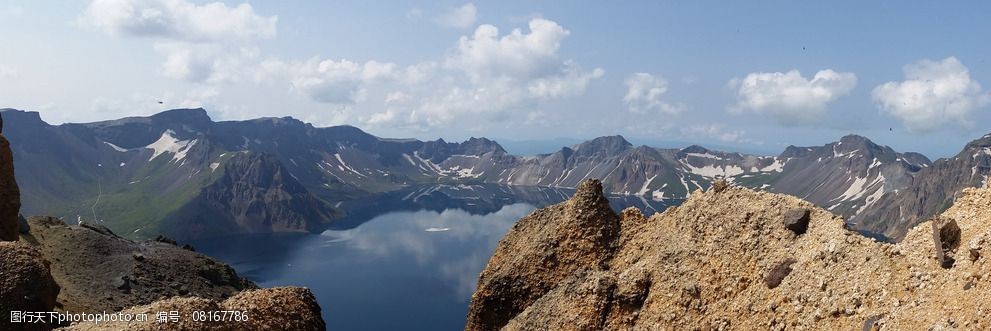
(10,197)
(733,258)
(254,193)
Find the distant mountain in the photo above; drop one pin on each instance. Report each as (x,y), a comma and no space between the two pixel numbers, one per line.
(180,173)
(930,192)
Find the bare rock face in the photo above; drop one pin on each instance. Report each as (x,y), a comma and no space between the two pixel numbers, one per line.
(10,196)
(542,250)
(281,308)
(27,284)
(797,220)
(723,260)
(100,271)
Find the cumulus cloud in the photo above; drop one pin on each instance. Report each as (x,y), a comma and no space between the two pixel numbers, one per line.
(486,55)
(204,62)
(718,132)
(934,94)
(207,43)
(178,20)
(499,77)
(460,17)
(790,98)
(7,72)
(643,94)
(329,81)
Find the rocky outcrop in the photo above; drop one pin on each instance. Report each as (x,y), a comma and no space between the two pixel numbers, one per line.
(10,197)
(517,276)
(282,308)
(732,260)
(99,271)
(26,285)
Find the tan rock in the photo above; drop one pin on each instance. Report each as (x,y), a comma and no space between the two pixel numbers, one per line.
(27,285)
(282,308)
(703,265)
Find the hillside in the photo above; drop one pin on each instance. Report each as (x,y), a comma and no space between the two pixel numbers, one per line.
(732,258)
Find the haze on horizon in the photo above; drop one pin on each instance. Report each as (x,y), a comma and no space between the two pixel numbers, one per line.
(749,76)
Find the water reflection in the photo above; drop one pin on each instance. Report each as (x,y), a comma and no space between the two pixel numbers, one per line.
(455,255)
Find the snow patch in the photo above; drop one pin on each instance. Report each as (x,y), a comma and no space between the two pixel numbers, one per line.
(213,166)
(705,155)
(777,166)
(643,190)
(713,171)
(168,143)
(116,148)
(339,159)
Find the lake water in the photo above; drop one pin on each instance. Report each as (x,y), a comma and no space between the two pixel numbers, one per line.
(406,260)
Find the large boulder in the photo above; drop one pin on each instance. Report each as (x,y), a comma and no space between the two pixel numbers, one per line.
(10,196)
(542,250)
(27,285)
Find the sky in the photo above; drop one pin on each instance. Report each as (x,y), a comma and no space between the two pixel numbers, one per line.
(745,76)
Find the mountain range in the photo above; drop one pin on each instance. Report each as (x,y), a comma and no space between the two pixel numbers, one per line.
(182,174)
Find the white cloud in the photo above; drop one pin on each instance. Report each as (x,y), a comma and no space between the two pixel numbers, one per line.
(934,94)
(718,132)
(497,77)
(571,81)
(7,72)
(329,81)
(414,13)
(204,62)
(208,43)
(486,55)
(178,20)
(643,94)
(789,97)
(460,17)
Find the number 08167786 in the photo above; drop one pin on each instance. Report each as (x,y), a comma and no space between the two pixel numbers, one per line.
(220,316)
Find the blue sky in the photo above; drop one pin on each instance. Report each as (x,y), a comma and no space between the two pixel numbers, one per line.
(749,76)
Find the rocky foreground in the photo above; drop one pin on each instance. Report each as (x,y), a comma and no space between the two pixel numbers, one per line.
(734,258)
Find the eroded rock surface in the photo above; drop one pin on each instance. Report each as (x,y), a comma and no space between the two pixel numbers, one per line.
(100,271)
(10,197)
(26,285)
(709,264)
(281,308)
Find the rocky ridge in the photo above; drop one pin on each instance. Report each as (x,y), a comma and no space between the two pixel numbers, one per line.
(733,258)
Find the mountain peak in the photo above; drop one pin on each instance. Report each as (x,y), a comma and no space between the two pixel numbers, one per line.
(482,145)
(852,142)
(983,141)
(695,149)
(185,115)
(609,144)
